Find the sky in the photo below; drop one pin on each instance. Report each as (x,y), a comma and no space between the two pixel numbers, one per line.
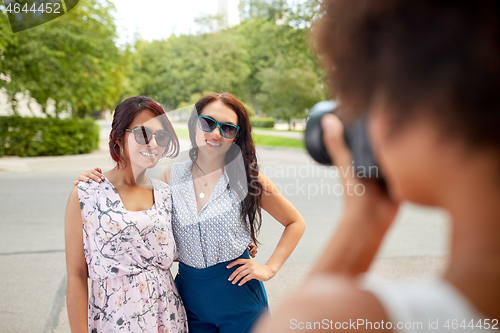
(158,19)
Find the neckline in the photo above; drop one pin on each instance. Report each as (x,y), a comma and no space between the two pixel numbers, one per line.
(121,201)
(193,192)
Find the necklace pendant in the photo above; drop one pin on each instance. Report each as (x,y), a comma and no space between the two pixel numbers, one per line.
(202,195)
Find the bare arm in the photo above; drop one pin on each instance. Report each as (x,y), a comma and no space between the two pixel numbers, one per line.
(286,214)
(331,291)
(76,266)
(329,303)
(366,218)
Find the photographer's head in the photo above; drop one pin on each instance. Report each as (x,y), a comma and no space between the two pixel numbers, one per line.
(428,72)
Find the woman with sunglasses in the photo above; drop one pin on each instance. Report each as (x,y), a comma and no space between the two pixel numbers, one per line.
(118,233)
(217,199)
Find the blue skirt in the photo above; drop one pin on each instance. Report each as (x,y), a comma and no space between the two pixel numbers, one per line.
(214,304)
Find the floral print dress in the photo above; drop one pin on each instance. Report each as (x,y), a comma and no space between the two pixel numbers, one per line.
(129,255)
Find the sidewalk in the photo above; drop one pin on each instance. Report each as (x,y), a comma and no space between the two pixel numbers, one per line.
(284,134)
(415,247)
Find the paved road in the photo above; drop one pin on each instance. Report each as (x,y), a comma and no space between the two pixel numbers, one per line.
(33,200)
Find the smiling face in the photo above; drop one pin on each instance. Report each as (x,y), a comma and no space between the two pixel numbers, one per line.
(143,156)
(213,142)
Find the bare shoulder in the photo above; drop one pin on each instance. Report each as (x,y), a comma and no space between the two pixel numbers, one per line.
(322,303)
(267,184)
(73,217)
(73,195)
(73,206)
(165,175)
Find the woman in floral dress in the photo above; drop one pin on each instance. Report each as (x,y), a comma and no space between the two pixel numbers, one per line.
(218,197)
(118,233)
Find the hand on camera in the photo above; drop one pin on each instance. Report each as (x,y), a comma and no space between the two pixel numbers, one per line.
(373,206)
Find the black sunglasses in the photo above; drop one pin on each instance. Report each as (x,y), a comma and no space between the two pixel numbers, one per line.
(208,124)
(144,135)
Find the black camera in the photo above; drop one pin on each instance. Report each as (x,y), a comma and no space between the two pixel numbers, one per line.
(355,135)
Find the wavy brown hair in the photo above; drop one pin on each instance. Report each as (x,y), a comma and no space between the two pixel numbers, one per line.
(251,201)
(125,114)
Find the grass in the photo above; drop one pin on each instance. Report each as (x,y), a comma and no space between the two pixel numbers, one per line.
(276,141)
(275,130)
(182,133)
(258,139)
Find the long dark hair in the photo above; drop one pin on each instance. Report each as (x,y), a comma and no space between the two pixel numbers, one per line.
(251,202)
(124,115)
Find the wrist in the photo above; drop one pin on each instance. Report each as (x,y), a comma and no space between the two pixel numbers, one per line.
(272,270)
(364,223)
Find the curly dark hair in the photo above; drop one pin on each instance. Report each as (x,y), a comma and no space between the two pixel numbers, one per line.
(437,58)
(251,200)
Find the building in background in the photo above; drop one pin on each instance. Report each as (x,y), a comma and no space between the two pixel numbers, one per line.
(27,107)
(257,8)
(223,14)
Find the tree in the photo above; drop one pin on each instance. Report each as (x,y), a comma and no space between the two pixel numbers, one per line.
(278,40)
(172,70)
(72,59)
(263,9)
(260,39)
(289,93)
(226,63)
(6,35)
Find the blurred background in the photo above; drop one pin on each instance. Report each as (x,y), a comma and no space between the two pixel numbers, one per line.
(60,82)
(101,52)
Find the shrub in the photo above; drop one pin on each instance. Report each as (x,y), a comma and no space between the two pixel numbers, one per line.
(47,136)
(250,109)
(262,122)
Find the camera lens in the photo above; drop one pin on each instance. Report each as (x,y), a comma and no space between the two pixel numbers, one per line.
(313,135)
(355,136)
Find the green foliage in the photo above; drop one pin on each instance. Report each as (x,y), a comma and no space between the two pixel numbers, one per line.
(192,100)
(71,59)
(262,122)
(265,61)
(6,35)
(47,136)
(279,47)
(250,109)
(289,93)
(172,70)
